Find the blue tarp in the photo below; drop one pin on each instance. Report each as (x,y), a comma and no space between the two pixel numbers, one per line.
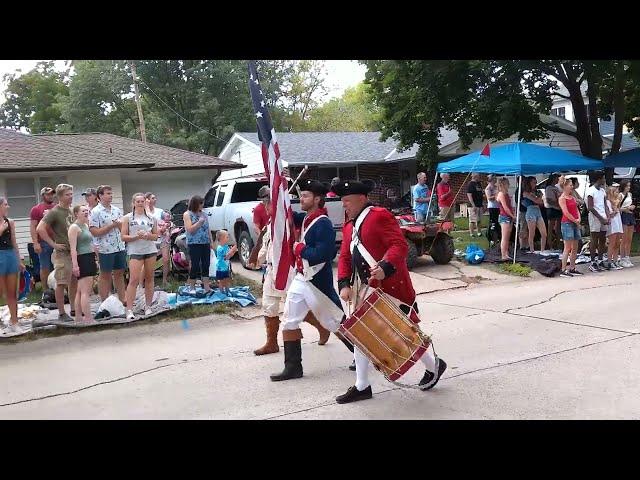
(521,158)
(240,295)
(628,159)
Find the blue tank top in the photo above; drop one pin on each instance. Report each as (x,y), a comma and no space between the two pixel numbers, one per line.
(201,235)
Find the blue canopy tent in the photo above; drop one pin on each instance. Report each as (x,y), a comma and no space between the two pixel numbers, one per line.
(519,158)
(628,159)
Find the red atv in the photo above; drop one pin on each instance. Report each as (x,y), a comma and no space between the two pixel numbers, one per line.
(425,239)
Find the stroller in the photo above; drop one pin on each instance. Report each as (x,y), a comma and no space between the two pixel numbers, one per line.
(179,253)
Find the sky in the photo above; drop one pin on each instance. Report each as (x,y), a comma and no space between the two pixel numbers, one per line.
(341,74)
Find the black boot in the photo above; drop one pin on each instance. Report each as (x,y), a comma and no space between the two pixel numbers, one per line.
(428,381)
(292,356)
(354,395)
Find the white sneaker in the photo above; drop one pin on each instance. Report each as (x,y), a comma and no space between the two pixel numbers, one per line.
(130,315)
(624,263)
(12,329)
(628,261)
(616,266)
(148,311)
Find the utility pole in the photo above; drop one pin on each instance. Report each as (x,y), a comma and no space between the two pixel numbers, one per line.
(143,133)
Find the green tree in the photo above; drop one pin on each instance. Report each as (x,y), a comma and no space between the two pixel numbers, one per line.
(494,99)
(32,99)
(100,98)
(353,112)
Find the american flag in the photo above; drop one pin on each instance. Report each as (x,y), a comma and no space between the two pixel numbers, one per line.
(282,230)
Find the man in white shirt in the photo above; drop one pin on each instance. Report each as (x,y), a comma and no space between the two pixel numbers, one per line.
(598,220)
(104,225)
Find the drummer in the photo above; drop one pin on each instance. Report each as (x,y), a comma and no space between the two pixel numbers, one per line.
(384,245)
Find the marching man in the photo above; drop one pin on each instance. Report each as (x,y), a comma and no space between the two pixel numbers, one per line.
(374,248)
(311,294)
(270,296)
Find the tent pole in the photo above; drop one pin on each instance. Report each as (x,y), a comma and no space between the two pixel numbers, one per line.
(515,246)
(435,179)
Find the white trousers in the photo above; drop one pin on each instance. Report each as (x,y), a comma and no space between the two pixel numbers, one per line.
(363,363)
(303,297)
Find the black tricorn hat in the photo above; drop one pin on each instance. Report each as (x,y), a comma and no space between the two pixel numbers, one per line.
(352,187)
(314,186)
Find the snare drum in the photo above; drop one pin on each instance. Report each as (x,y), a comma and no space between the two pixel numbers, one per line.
(388,337)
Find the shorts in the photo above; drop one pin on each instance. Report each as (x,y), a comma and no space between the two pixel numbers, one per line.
(142,256)
(534,214)
(270,305)
(594,224)
(45,256)
(87,265)
(9,264)
(553,214)
(222,274)
(63,267)
(445,212)
(112,261)
(474,214)
(628,219)
(505,219)
(570,231)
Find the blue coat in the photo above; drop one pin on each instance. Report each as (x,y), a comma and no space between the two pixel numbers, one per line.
(320,247)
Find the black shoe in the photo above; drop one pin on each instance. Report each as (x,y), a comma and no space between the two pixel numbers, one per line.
(352,367)
(354,395)
(575,272)
(428,381)
(566,273)
(292,362)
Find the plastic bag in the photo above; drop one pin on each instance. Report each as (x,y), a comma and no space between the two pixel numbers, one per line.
(113,305)
(475,254)
(212,264)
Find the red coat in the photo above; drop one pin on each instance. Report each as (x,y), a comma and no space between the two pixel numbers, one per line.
(381,236)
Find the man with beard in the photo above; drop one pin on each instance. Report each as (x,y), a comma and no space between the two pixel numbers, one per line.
(311,292)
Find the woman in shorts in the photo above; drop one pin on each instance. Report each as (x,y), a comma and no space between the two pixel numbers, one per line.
(532,199)
(10,265)
(570,228)
(140,233)
(83,260)
(506,216)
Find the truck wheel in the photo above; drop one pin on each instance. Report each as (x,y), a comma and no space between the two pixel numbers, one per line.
(245,245)
(412,255)
(442,249)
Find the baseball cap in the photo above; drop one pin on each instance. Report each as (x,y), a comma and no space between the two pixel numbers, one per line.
(46,190)
(89,191)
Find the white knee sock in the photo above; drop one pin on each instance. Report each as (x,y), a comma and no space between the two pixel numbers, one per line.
(429,359)
(362,370)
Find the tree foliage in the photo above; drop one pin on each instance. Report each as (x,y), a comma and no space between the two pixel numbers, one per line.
(494,99)
(355,111)
(32,99)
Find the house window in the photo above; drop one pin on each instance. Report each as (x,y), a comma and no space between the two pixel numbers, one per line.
(21,195)
(24,193)
(558,112)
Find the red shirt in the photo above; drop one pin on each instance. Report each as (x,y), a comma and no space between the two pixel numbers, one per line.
(38,212)
(572,206)
(260,216)
(441,190)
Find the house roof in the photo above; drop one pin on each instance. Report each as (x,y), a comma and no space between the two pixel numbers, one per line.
(25,153)
(628,140)
(320,148)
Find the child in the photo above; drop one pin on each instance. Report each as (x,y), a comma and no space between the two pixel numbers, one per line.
(223,267)
(164,229)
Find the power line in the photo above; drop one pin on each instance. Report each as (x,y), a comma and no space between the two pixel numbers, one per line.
(142,82)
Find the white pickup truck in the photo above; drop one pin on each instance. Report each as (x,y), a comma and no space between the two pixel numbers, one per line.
(229,205)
